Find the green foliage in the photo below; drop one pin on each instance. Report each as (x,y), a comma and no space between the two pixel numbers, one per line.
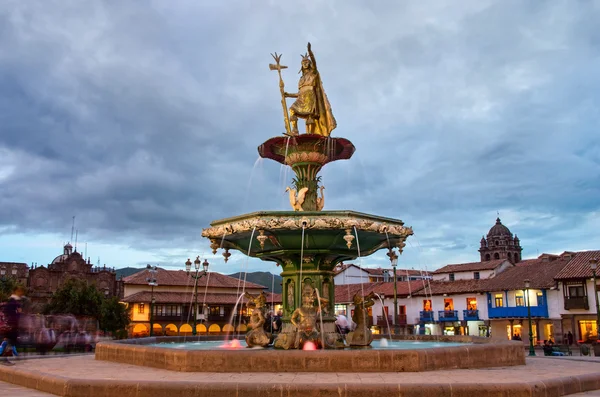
(114,317)
(76,297)
(7,286)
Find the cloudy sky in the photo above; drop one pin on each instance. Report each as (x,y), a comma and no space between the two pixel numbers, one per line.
(142,119)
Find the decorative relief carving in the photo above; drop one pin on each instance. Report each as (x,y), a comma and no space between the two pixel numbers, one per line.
(322,222)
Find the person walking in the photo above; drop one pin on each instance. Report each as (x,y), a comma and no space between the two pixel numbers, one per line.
(12,313)
(570,338)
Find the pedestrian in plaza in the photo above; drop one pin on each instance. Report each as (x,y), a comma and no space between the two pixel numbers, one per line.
(268,325)
(277,322)
(12,312)
(570,338)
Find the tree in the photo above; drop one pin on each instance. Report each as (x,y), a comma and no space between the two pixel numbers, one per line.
(76,297)
(80,299)
(114,317)
(7,286)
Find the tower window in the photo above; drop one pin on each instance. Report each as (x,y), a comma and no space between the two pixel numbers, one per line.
(487,257)
(496,256)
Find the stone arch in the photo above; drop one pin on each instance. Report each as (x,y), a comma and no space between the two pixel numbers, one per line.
(157,329)
(487,257)
(171,330)
(140,330)
(241,328)
(496,256)
(200,328)
(185,329)
(510,256)
(228,328)
(214,328)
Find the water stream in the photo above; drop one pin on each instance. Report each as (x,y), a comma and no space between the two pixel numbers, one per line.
(387,321)
(320,311)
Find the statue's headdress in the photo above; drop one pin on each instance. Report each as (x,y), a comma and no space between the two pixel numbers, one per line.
(305,57)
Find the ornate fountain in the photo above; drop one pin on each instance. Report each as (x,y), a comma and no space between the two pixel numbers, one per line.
(308,242)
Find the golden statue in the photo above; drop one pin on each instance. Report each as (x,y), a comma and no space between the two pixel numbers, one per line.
(304,318)
(362,335)
(257,336)
(311,102)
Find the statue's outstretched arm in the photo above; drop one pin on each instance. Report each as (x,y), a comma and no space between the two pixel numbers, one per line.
(312,56)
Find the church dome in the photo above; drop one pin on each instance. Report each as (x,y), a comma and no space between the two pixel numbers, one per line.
(499,230)
(60,258)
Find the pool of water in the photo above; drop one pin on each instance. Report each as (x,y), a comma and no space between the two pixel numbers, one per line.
(241,344)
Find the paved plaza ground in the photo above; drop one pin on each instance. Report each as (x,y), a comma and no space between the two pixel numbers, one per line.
(571,374)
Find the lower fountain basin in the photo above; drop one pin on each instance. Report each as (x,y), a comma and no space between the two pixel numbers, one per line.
(241,344)
(465,352)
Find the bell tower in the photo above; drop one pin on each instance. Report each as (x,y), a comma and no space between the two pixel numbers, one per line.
(500,244)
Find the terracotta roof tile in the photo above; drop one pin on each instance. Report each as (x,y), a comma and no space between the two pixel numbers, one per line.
(452,287)
(468,267)
(540,273)
(579,266)
(181,297)
(181,278)
(379,271)
(344,293)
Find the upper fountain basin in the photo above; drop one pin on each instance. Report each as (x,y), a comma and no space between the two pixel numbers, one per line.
(330,235)
(304,148)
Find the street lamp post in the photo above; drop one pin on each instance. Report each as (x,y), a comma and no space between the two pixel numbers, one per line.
(594,266)
(531,349)
(152,283)
(394,260)
(197,276)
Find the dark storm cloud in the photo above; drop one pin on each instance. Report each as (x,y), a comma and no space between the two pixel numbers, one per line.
(144,120)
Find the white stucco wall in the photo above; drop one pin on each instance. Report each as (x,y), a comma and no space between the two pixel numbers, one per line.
(351,275)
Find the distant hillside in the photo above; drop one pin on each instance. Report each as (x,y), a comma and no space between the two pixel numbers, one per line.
(127,271)
(262,278)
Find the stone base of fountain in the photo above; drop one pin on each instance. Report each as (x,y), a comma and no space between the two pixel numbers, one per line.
(478,352)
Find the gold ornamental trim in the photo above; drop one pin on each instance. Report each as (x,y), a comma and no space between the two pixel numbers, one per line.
(308,223)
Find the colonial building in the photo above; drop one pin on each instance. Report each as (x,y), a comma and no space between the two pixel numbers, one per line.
(577,304)
(353,274)
(471,271)
(170,303)
(44,281)
(15,270)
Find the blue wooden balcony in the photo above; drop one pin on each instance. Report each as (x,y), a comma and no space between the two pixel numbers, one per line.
(518,311)
(471,315)
(448,315)
(426,316)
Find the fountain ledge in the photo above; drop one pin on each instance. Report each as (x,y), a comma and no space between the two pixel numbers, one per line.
(480,353)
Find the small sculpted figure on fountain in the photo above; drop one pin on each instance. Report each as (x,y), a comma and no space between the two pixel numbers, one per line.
(257,336)
(304,318)
(304,322)
(362,335)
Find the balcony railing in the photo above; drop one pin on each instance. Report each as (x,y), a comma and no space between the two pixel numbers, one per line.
(448,315)
(382,322)
(164,317)
(426,316)
(576,302)
(471,315)
(518,311)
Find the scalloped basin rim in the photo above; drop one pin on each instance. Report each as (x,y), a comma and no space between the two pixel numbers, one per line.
(312,214)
